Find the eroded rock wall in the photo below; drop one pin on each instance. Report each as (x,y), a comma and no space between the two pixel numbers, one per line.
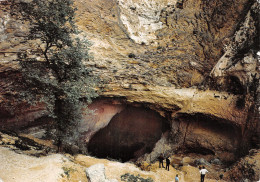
(159,42)
(193,62)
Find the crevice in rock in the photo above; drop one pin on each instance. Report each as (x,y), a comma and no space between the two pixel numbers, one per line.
(129,135)
(235,86)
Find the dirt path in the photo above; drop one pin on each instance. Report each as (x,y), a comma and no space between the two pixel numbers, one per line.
(65,168)
(18,167)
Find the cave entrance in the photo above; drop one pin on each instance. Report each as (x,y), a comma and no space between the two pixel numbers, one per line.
(129,135)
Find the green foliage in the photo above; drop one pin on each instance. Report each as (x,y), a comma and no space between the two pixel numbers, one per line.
(60,78)
(52,20)
(67,171)
(131,55)
(132,178)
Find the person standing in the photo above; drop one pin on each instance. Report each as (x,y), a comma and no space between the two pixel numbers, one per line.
(203,172)
(160,158)
(176,178)
(168,163)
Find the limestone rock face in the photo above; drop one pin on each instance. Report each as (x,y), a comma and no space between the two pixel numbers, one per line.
(170,46)
(208,122)
(193,62)
(238,62)
(102,113)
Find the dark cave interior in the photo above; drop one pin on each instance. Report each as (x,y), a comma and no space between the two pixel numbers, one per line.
(129,135)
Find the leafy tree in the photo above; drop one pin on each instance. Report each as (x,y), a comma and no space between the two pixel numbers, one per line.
(59,78)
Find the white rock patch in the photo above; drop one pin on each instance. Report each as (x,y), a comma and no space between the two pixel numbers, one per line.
(141,18)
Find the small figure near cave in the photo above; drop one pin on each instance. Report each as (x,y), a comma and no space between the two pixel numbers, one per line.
(59,145)
(160,158)
(176,178)
(221,176)
(203,172)
(168,163)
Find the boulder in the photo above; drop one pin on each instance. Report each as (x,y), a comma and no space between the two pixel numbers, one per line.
(216,161)
(201,161)
(96,173)
(186,161)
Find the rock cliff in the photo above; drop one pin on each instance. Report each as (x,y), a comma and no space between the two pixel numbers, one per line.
(193,64)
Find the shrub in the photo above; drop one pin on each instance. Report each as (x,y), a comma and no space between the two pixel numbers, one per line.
(132,178)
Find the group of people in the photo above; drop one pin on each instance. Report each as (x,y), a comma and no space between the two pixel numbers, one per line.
(160,158)
(203,171)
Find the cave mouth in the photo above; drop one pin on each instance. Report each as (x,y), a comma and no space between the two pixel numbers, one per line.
(129,135)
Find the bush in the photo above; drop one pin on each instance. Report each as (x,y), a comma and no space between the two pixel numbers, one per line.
(131,55)
(132,178)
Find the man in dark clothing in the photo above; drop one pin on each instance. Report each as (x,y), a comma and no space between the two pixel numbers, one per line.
(168,163)
(160,158)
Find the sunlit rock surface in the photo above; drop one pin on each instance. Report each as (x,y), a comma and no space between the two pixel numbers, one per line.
(18,167)
(194,63)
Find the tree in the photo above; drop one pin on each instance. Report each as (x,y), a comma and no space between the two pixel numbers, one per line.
(59,78)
